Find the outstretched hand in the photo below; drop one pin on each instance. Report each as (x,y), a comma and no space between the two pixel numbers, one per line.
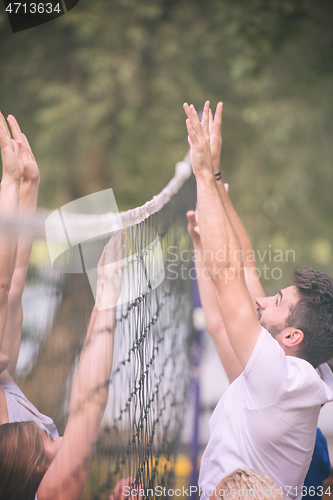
(110,272)
(12,166)
(198,138)
(28,161)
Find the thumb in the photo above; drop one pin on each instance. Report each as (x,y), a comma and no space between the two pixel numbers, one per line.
(190,215)
(102,258)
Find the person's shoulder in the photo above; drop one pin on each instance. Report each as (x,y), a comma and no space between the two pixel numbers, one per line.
(326,375)
(270,364)
(266,348)
(308,380)
(10,386)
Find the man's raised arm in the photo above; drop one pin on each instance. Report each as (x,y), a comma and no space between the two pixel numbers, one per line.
(214,321)
(223,253)
(250,271)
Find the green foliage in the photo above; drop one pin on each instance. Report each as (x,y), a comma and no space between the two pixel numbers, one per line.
(99,92)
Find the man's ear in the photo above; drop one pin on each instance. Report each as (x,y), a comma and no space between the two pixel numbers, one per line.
(292,337)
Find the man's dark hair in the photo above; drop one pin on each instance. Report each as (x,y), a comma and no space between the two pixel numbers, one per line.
(313,314)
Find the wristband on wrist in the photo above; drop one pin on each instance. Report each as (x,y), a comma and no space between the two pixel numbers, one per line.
(218,176)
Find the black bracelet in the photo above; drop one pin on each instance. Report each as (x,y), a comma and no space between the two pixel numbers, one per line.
(218,176)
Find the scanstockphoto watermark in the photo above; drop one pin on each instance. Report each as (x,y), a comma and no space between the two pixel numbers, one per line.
(159,491)
(227,264)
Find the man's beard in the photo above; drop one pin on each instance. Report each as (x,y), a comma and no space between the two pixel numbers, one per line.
(274,330)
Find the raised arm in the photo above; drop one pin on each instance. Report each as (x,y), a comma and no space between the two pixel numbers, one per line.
(218,235)
(27,205)
(214,320)
(9,202)
(68,472)
(250,271)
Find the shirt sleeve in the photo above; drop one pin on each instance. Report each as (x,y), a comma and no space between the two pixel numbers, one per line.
(272,376)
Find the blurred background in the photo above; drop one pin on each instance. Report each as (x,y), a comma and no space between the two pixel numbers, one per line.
(99,92)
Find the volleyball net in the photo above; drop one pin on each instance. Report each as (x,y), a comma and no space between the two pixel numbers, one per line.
(141,430)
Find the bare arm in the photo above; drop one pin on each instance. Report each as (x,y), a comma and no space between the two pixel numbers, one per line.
(67,474)
(214,321)
(242,325)
(250,271)
(9,202)
(27,205)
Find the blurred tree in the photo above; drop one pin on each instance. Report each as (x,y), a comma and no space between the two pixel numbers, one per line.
(99,93)
(101,88)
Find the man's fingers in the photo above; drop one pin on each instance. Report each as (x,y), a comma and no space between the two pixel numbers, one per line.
(191,218)
(15,128)
(114,248)
(193,117)
(3,139)
(192,223)
(190,214)
(102,259)
(205,118)
(17,146)
(26,142)
(4,127)
(211,121)
(218,116)
(192,138)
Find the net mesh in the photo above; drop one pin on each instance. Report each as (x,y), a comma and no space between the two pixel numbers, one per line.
(140,435)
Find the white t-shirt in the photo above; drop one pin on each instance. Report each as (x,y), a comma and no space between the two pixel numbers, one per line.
(267,419)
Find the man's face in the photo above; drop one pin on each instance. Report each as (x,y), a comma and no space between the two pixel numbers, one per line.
(272,312)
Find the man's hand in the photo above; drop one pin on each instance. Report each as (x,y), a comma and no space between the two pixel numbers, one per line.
(198,138)
(215,136)
(28,161)
(119,493)
(193,226)
(110,273)
(11,165)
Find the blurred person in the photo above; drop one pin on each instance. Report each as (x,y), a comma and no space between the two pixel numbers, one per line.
(12,171)
(319,470)
(18,195)
(14,261)
(31,460)
(267,418)
(32,455)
